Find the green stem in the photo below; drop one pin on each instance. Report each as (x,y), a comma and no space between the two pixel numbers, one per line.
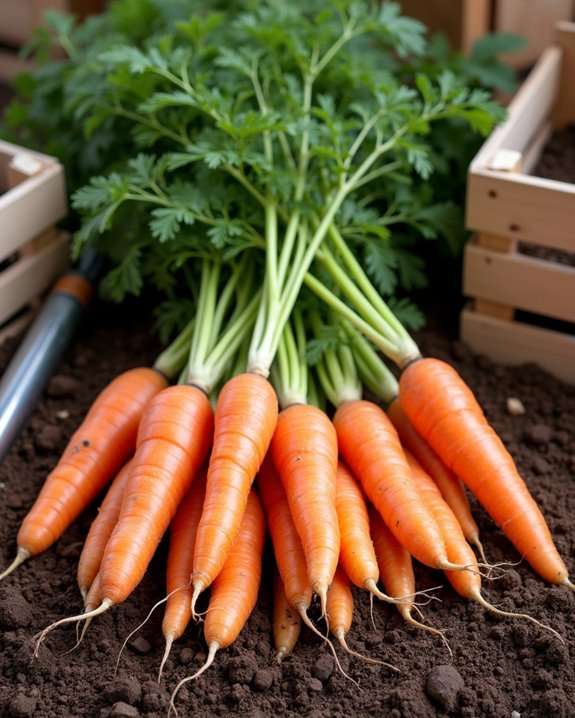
(173,359)
(374,373)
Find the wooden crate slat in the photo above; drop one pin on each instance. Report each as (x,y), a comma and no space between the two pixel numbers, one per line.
(532,154)
(519,281)
(564,111)
(31,207)
(532,209)
(17,21)
(527,112)
(31,275)
(518,343)
(535,20)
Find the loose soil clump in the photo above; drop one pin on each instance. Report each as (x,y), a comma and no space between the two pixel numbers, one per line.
(499,666)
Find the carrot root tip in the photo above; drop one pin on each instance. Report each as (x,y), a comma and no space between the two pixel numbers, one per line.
(281,654)
(102,608)
(478,597)
(371,586)
(406,615)
(198,587)
(567,582)
(340,635)
(21,556)
(169,642)
(212,650)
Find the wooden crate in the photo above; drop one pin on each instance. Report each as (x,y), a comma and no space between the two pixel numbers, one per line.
(465,21)
(32,251)
(507,205)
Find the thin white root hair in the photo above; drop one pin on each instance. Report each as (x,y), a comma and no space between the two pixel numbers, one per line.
(426,627)
(40,637)
(212,650)
(169,642)
(21,556)
(478,597)
(340,635)
(156,605)
(79,636)
(307,621)
(371,614)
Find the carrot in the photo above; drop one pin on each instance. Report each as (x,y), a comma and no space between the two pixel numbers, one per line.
(95,453)
(450,486)
(340,614)
(179,570)
(235,590)
(396,570)
(287,544)
(357,555)
(288,549)
(287,622)
(370,446)
(245,420)
(173,440)
(100,531)
(445,413)
(466,583)
(304,452)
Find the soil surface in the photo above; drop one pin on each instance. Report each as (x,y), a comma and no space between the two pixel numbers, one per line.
(500,667)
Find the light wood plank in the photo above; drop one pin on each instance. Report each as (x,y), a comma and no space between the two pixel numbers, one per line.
(445,16)
(535,20)
(476,22)
(24,280)
(497,244)
(30,208)
(532,209)
(494,309)
(527,112)
(518,343)
(533,152)
(17,21)
(514,279)
(564,111)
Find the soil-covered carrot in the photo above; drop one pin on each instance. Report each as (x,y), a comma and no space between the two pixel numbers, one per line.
(235,590)
(396,570)
(286,622)
(95,453)
(100,532)
(450,486)
(357,555)
(179,569)
(445,413)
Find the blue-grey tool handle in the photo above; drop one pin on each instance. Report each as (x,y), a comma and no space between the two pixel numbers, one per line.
(42,348)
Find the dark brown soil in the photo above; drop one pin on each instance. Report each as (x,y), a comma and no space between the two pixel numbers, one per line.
(557,162)
(499,666)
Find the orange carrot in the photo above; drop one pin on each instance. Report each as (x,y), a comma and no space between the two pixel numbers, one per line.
(396,570)
(235,590)
(95,453)
(179,570)
(370,446)
(304,452)
(287,544)
(357,555)
(245,420)
(173,440)
(445,413)
(288,548)
(466,583)
(450,486)
(340,614)
(287,622)
(100,531)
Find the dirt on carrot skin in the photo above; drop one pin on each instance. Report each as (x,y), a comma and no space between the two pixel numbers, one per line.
(499,666)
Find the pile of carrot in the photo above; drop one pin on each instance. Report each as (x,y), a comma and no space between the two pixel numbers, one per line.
(236,432)
(348,498)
